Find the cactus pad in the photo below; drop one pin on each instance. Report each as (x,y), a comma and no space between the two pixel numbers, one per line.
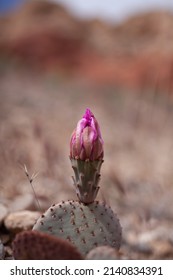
(87,177)
(34,245)
(86,226)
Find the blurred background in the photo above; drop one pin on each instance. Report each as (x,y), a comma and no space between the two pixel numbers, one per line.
(116,57)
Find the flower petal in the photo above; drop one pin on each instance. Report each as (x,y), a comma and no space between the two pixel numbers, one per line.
(86,141)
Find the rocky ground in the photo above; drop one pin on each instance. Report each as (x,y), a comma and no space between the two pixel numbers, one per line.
(37,116)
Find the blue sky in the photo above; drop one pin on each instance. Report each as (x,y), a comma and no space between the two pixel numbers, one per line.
(114,10)
(6,5)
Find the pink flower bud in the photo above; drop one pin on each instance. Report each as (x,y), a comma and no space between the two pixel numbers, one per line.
(86,140)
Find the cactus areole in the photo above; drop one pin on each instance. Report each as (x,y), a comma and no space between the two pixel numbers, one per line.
(86,155)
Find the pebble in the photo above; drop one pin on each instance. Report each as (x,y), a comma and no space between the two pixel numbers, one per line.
(103,253)
(22,220)
(162,250)
(159,233)
(3,212)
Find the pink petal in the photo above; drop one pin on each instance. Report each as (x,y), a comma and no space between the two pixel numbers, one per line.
(88,137)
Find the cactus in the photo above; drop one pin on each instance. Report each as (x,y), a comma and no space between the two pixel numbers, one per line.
(86,155)
(34,245)
(86,226)
(85,223)
(103,253)
(87,177)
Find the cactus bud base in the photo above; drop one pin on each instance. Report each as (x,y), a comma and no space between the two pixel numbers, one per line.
(87,177)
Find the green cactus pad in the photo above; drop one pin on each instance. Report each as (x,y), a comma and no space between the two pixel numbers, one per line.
(87,177)
(86,226)
(103,253)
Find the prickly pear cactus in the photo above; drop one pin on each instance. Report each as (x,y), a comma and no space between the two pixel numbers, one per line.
(34,245)
(86,226)
(87,177)
(103,253)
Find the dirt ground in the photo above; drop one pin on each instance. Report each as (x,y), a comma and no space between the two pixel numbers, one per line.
(37,116)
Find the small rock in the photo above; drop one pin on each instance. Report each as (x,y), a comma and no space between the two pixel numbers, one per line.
(23,220)
(103,253)
(162,249)
(3,212)
(2,252)
(162,232)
